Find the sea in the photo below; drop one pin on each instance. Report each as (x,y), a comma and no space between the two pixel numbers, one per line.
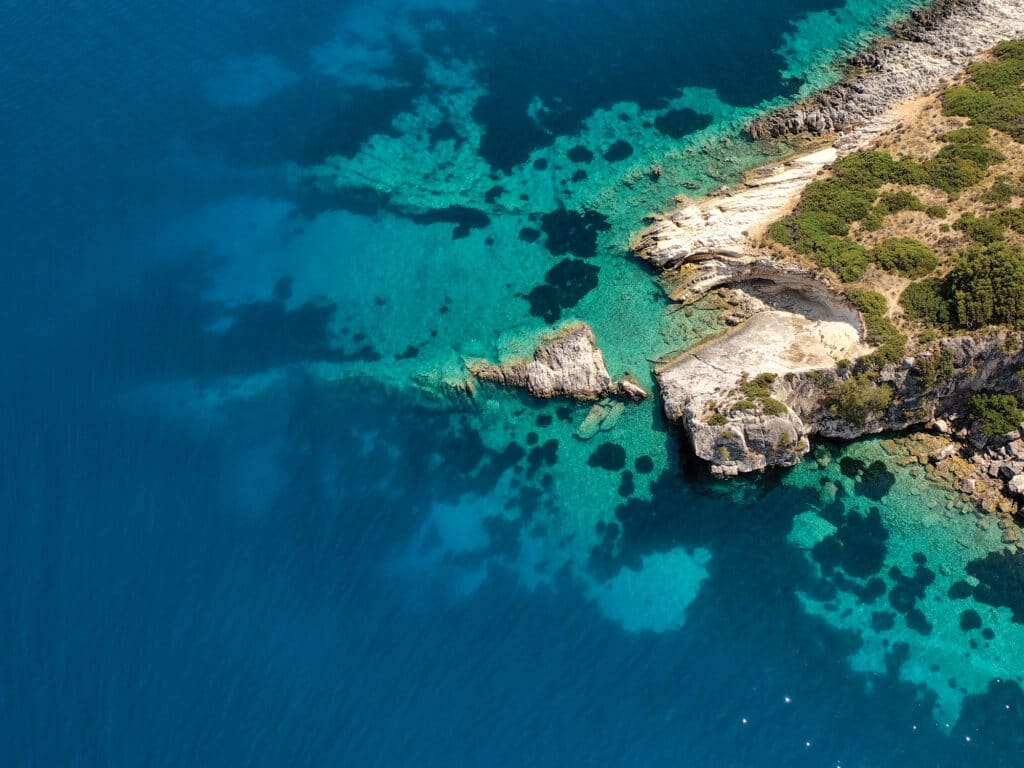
(250,512)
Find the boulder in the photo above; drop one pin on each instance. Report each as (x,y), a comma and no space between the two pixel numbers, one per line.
(1016,485)
(943,453)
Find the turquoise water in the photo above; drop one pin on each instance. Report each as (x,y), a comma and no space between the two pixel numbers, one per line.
(251,517)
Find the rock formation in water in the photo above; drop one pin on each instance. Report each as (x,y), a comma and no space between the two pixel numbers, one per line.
(567,364)
(935,44)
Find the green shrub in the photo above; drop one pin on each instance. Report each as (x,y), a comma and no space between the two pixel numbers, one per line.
(873,222)
(744,405)
(929,301)
(854,399)
(930,370)
(1001,191)
(869,169)
(880,332)
(1010,217)
(906,256)
(718,420)
(773,407)
(978,154)
(987,285)
(759,386)
(965,101)
(985,230)
(999,77)
(972,134)
(782,232)
(936,212)
(901,200)
(998,413)
(953,175)
(849,260)
(1010,50)
(993,96)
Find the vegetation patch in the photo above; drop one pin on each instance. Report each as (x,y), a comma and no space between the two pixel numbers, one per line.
(880,332)
(987,286)
(998,413)
(930,370)
(858,397)
(929,301)
(992,96)
(906,256)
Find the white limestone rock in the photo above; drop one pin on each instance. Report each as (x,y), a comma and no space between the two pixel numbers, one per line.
(567,364)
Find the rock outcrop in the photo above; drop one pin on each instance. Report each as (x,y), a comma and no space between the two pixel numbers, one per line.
(724,224)
(729,392)
(935,44)
(788,320)
(567,364)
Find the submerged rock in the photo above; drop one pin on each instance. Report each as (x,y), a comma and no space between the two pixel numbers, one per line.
(567,364)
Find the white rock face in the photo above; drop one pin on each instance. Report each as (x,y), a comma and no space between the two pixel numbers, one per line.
(800,330)
(568,364)
(724,224)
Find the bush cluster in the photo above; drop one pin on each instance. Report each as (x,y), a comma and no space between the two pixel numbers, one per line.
(856,398)
(759,386)
(929,301)
(906,256)
(1002,191)
(998,413)
(930,370)
(992,228)
(993,96)
(757,394)
(894,202)
(820,226)
(987,286)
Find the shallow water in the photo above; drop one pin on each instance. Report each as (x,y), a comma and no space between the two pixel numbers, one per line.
(247,520)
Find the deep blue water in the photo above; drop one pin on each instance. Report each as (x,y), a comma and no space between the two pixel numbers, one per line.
(219,536)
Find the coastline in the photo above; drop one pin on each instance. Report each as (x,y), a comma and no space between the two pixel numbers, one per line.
(932,45)
(716,244)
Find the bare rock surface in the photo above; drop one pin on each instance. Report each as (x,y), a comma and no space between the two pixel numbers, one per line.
(566,364)
(722,225)
(792,328)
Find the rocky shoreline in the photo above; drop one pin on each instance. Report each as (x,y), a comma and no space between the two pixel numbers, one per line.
(933,44)
(753,398)
(745,404)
